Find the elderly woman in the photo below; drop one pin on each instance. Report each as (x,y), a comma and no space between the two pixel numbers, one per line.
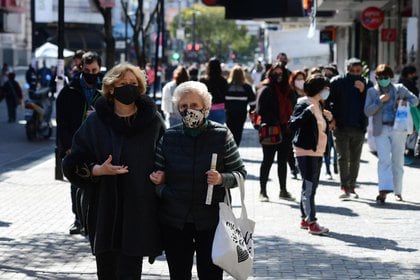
(111,158)
(381,103)
(183,161)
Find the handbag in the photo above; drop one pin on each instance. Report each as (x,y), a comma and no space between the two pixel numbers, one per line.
(233,246)
(255,119)
(269,135)
(403,120)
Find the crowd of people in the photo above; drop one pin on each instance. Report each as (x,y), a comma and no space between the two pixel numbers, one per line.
(139,177)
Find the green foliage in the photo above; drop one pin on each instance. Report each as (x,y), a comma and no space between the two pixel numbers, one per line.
(217,36)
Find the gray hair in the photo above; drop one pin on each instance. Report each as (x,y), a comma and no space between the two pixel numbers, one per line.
(193,87)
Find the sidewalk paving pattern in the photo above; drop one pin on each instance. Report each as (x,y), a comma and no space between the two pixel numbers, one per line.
(366,241)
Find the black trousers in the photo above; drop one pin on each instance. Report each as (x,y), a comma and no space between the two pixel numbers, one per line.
(283,151)
(73,191)
(235,122)
(116,266)
(180,246)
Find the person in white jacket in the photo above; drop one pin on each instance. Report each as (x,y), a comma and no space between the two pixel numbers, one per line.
(172,116)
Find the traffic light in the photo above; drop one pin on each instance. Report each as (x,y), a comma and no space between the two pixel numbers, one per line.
(196,48)
(214,2)
(176,56)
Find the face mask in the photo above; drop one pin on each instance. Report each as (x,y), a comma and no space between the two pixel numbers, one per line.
(276,78)
(126,94)
(385,82)
(192,118)
(414,78)
(299,84)
(355,77)
(91,79)
(324,94)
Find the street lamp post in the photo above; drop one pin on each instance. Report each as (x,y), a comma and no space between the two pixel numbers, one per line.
(125,7)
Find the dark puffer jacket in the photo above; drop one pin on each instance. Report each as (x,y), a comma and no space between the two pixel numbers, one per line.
(187,159)
(122,210)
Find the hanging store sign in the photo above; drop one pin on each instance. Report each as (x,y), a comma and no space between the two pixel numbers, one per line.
(389,34)
(372,18)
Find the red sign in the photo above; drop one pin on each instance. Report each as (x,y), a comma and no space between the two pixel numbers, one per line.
(13,6)
(107,3)
(372,18)
(389,34)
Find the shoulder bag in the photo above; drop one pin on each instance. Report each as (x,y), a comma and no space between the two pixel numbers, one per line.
(233,246)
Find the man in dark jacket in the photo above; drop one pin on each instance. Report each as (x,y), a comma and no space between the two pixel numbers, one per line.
(409,78)
(346,102)
(74,104)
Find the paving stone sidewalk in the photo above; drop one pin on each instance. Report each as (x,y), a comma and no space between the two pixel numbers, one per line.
(367,241)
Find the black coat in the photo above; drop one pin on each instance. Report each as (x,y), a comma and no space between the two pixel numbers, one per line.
(304,126)
(122,212)
(71,106)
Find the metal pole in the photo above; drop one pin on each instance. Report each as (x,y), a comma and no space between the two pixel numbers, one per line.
(125,3)
(60,61)
(158,39)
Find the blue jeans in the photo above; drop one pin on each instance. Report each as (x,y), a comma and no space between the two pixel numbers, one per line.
(390,146)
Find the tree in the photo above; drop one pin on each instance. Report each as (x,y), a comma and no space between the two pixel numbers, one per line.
(139,29)
(109,37)
(216,35)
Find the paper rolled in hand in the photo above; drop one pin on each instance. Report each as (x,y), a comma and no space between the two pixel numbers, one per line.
(210,187)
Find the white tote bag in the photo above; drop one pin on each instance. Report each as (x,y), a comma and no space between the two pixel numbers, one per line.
(403,120)
(233,246)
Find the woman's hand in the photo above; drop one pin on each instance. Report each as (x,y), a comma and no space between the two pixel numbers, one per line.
(107,168)
(327,114)
(214,178)
(384,97)
(157,177)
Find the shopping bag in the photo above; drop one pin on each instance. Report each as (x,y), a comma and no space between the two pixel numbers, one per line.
(233,247)
(403,121)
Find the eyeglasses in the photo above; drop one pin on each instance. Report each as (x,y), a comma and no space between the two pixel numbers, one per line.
(382,77)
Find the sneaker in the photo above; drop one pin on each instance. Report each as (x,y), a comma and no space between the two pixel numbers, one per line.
(263,197)
(329,176)
(344,196)
(76,228)
(286,195)
(304,224)
(408,160)
(316,229)
(353,194)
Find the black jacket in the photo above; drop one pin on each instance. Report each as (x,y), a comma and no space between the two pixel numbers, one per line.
(340,102)
(122,210)
(304,127)
(187,159)
(217,87)
(71,106)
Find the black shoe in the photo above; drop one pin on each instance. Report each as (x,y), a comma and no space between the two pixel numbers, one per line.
(286,195)
(76,228)
(263,197)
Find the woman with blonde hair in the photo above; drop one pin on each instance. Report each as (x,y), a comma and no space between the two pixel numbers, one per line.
(237,99)
(111,158)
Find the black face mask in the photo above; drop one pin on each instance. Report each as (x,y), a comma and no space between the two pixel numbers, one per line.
(276,78)
(91,79)
(414,78)
(126,94)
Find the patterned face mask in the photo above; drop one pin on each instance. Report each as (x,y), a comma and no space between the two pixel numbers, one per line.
(192,118)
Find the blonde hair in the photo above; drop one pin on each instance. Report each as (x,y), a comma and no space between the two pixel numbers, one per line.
(193,87)
(237,75)
(116,73)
